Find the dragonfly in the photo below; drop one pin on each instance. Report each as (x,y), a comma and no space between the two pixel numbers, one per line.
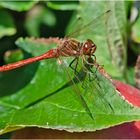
(70,47)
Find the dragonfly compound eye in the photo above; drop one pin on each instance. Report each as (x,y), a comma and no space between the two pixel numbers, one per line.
(89,47)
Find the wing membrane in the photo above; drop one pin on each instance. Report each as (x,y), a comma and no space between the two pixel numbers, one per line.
(76,80)
(90,28)
(89,91)
(93,84)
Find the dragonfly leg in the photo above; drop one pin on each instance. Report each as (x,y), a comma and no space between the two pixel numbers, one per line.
(96,71)
(94,61)
(75,67)
(91,61)
(91,78)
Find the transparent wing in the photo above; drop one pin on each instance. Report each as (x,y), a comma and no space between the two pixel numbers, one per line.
(76,80)
(86,85)
(88,29)
(95,88)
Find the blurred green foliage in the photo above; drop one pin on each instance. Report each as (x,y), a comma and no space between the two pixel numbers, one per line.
(13,56)
(7,26)
(117,39)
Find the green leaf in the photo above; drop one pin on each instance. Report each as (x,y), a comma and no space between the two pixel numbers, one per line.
(135,30)
(61,109)
(63,5)
(7,27)
(117,37)
(36,17)
(18,5)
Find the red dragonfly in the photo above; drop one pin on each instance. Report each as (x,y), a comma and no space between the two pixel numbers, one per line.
(67,47)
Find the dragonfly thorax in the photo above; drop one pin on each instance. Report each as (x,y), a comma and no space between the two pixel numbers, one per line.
(88,47)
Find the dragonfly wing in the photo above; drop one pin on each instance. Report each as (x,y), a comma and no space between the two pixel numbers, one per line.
(76,81)
(95,85)
(91,27)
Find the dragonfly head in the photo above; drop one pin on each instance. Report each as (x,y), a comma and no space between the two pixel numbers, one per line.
(89,47)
